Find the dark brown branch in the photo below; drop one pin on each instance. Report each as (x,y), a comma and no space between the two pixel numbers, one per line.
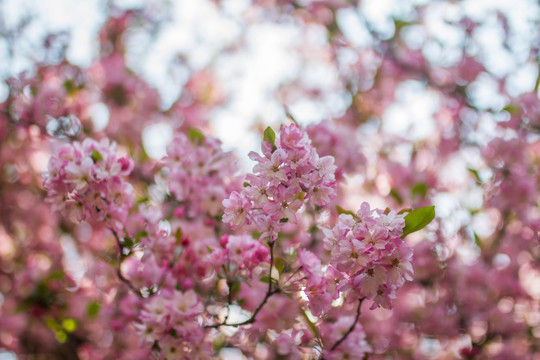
(118,267)
(351,328)
(269,293)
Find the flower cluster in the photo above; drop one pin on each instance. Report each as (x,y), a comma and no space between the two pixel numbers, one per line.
(289,173)
(239,254)
(171,321)
(367,249)
(200,175)
(86,182)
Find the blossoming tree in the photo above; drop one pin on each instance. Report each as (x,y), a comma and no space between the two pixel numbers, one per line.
(108,253)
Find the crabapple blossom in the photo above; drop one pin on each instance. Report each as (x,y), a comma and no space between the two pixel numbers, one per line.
(107,256)
(85,181)
(289,173)
(367,248)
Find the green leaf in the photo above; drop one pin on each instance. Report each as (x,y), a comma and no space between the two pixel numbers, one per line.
(341,210)
(143,200)
(209,249)
(56,275)
(96,156)
(93,309)
(70,325)
(478,241)
(400,24)
(195,136)
(128,242)
(311,324)
(69,86)
(140,235)
(300,196)
(246,184)
(235,287)
(289,115)
(418,219)
(395,194)
(284,220)
(419,189)
(52,324)
(218,343)
(266,280)
(476,175)
(61,336)
(270,136)
(178,235)
(279,264)
(512,109)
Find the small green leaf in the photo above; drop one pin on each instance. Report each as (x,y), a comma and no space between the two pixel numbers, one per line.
(284,220)
(96,156)
(341,210)
(178,235)
(400,24)
(266,279)
(69,86)
(311,324)
(476,175)
(70,325)
(140,235)
(93,309)
(61,336)
(270,136)
(418,219)
(235,287)
(478,241)
(512,109)
(246,184)
(128,242)
(218,343)
(210,250)
(289,115)
(419,189)
(56,275)
(143,200)
(395,194)
(52,324)
(279,264)
(195,136)
(300,196)
(287,294)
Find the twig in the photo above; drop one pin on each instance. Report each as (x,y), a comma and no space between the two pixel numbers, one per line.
(351,328)
(269,293)
(119,271)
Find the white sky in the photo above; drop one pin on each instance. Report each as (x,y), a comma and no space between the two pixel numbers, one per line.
(200,32)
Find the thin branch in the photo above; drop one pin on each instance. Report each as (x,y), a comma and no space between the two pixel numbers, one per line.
(351,328)
(269,293)
(119,263)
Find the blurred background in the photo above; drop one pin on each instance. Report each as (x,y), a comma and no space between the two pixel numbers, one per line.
(311,56)
(421,102)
